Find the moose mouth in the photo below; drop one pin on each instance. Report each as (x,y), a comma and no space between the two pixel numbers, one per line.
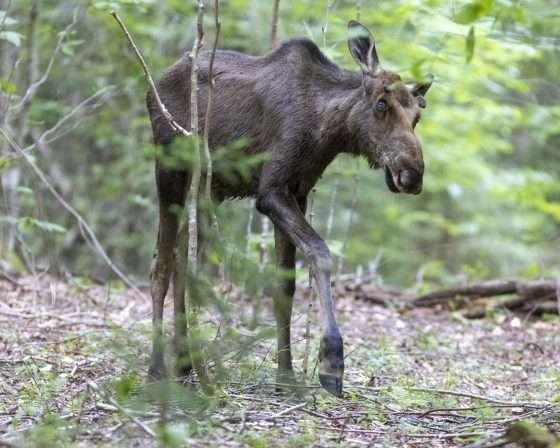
(390,180)
(401,182)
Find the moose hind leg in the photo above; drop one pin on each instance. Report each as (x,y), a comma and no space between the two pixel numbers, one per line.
(183,362)
(171,185)
(283,302)
(162,267)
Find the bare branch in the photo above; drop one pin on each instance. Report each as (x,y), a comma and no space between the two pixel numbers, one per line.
(330,4)
(32,43)
(32,90)
(206,135)
(330,216)
(274,27)
(91,238)
(196,174)
(121,408)
(311,298)
(46,138)
(346,235)
(192,212)
(172,122)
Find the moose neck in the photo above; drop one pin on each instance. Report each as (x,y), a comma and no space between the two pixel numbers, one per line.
(339,115)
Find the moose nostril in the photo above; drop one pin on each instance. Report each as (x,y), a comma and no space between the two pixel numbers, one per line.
(409,178)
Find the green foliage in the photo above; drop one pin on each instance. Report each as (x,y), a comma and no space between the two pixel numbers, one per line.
(473,11)
(491,193)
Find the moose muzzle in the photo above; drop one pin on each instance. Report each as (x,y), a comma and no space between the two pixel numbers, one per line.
(409,181)
(404,173)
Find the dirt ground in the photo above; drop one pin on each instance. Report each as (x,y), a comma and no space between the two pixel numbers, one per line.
(73,361)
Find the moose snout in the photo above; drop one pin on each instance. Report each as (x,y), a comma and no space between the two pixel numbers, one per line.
(410,180)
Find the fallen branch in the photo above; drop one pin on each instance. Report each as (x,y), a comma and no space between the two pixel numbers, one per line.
(533,297)
(122,409)
(492,288)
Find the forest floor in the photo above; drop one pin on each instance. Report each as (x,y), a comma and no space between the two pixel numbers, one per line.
(73,359)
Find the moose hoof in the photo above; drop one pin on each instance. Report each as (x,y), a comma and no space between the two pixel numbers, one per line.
(331,383)
(331,363)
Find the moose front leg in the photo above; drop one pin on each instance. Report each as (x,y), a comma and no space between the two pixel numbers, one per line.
(283,209)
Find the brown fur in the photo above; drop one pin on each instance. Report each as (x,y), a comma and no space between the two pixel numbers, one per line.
(302,110)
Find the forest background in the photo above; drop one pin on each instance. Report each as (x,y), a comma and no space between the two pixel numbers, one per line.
(491,200)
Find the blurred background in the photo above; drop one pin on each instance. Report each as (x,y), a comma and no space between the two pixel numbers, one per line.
(491,132)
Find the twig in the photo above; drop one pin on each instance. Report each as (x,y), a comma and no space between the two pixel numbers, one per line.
(245,418)
(330,216)
(172,122)
(206,135)
(274,26)
(263,263)
(310,299)
(91,237)
(194,187)
(122,409)
(32,90)
(196,350)
(330,4)
(346,235)
(473,396)
(43,138)
(494,442)
(32,42)
(287,411)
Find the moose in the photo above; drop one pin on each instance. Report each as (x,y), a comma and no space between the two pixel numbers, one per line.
(302,110)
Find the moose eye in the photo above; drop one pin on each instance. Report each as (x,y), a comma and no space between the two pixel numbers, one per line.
(381,106)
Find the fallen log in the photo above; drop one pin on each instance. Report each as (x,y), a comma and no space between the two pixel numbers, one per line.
(537,288)
(526,305)
(534,297)
(486,289)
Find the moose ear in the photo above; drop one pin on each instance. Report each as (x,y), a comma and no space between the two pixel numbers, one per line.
(362,47)
(422,87)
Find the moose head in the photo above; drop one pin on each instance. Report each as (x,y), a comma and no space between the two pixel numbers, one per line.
(385,115)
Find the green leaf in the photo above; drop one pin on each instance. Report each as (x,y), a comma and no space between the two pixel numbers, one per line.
(4,163)
(416,69)
(469,44)
(69,47)
(473,11)
(7,86)
(24,190)
(50,227)
(26,224)
(12,37)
